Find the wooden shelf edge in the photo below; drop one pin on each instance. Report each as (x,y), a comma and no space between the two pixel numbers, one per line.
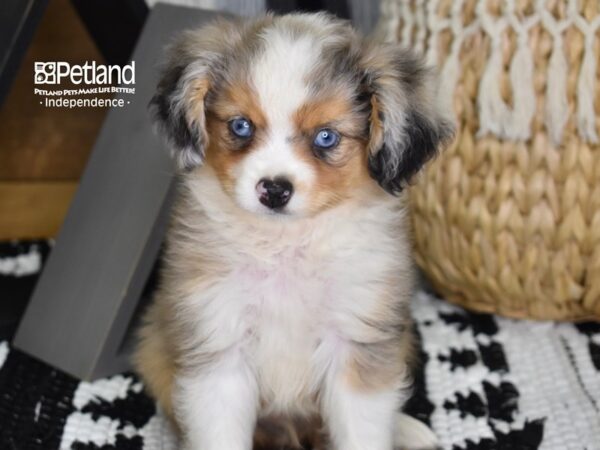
(33,209)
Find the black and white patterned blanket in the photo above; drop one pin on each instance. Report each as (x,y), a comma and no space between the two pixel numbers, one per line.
(485,383)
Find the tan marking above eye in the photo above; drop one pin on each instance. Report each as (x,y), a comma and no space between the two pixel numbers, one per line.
(337,112)
(319,114)
(221,153)
(239,99)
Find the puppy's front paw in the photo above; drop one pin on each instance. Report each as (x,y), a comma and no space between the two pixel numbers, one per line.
(412,434)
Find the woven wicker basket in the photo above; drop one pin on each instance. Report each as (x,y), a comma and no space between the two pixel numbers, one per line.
(507,220)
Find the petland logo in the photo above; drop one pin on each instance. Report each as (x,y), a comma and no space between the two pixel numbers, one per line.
(89,73)
(99,84)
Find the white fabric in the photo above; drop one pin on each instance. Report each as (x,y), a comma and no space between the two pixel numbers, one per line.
(495,115)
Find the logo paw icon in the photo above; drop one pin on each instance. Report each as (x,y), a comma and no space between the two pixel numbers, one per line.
(45,73)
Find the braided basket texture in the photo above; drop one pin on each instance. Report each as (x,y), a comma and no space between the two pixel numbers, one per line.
(507,220)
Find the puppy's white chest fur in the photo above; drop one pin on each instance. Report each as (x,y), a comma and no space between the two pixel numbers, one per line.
(279,316)
(286,319)
(290,302)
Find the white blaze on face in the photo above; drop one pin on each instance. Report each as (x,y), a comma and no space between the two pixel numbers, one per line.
(279,76)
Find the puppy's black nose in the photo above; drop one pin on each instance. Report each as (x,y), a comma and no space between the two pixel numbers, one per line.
(274,193)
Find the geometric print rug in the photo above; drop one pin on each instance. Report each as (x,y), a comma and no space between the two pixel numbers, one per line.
(484,382)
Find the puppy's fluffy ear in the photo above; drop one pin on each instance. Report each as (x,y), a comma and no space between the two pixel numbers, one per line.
(195,64)
(406,129)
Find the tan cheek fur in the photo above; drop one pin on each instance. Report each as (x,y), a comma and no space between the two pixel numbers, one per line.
(238,99)
(219,156)
(335,183)
(346,171)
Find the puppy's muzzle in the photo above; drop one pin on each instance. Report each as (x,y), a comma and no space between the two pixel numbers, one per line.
(275,193)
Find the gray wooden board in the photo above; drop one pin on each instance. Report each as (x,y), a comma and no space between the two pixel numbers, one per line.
(84,300)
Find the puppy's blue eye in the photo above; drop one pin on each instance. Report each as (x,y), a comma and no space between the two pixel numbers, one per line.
(326,138)
(241,127)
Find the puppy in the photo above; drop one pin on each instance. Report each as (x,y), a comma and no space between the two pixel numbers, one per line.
(283,307)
